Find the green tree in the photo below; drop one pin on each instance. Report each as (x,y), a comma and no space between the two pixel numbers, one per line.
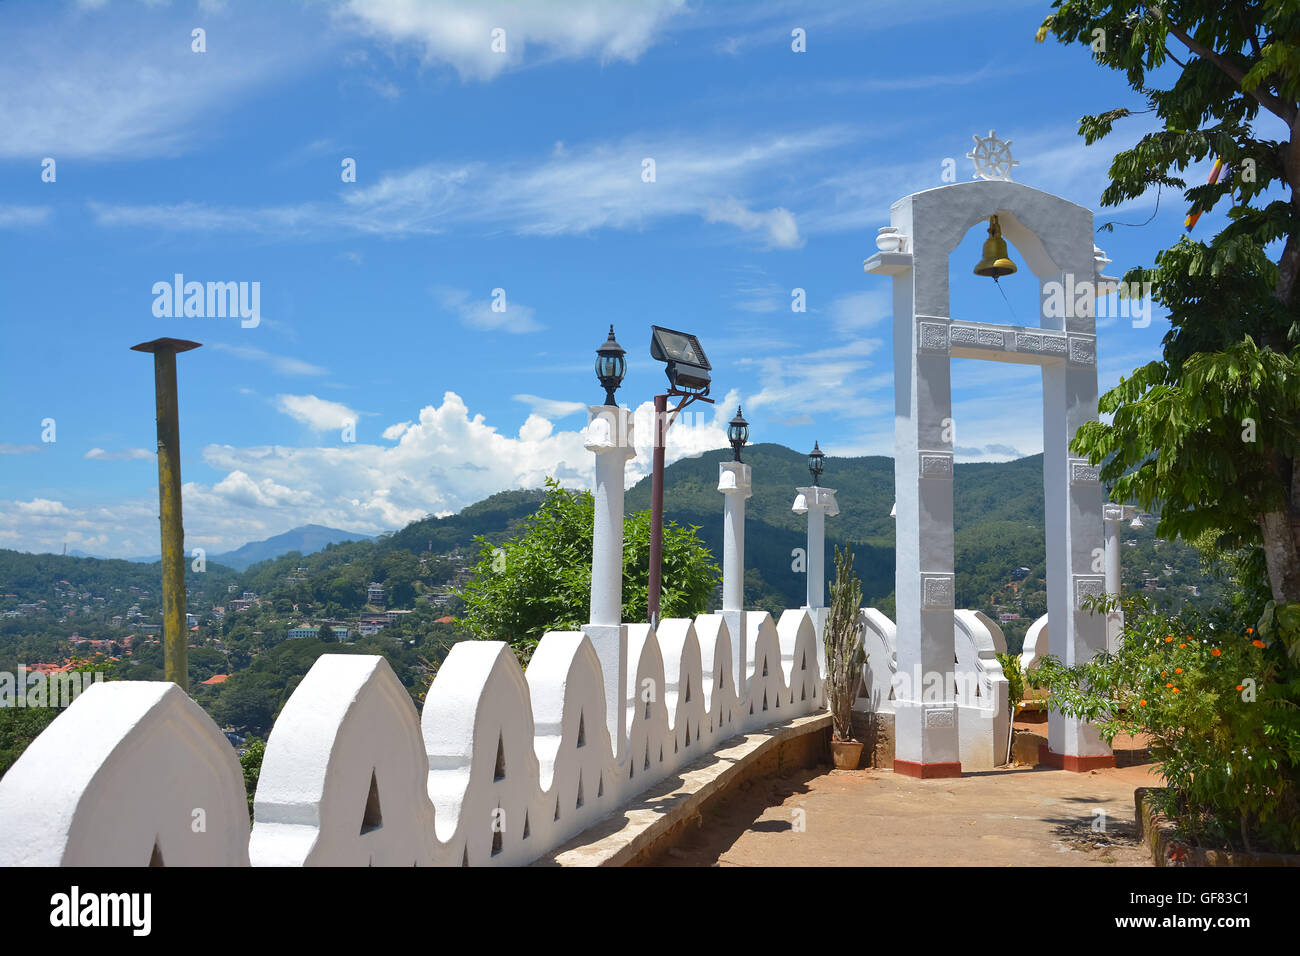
(540,580)
(19,726)
(1209,433)
(251,762)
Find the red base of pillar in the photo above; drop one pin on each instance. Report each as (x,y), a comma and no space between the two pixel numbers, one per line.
(926,771)
(1049,758)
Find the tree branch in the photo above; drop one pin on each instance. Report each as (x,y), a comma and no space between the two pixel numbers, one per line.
(1285,111)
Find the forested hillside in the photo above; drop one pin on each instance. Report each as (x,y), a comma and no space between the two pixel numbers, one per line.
(265,626)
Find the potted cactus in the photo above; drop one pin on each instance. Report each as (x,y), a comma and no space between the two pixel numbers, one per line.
(844,658)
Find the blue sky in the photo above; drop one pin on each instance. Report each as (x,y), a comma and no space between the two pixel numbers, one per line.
(479,170)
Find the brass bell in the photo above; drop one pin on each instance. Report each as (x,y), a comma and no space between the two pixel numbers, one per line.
(995,262)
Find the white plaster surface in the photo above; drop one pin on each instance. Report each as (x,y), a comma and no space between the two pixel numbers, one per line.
(982,712)
(349,722)
(1036,644)
(119,774)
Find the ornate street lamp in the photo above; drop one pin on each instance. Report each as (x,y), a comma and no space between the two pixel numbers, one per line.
(738,432)
(816,464)
(611,366)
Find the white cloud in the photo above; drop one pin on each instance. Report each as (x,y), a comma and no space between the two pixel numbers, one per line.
(551,407)
(240,489)
(573,192)
(838,379)
(859,310)
(778,224)
(448,458)
(479,313)
(460,35)
(41,507)
(316,413)
(126,454)
(17,217)
(281,363)
(394,432)
(88,85)
(7,449)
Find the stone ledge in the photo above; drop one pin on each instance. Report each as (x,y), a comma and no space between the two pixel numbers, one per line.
(1167,850)
(636,832)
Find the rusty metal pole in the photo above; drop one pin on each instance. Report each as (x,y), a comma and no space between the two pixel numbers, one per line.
(175,643)
(657,511)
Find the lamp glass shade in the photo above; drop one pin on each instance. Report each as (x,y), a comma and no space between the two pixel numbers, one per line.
(610,366)
(738,433)
(816,462)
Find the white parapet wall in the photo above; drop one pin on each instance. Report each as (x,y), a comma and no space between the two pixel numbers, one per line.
(501,768)
(1036,646)
(880,644)
(981,687)
(982,717)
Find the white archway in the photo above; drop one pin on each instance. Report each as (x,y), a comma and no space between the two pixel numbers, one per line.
(1054,237)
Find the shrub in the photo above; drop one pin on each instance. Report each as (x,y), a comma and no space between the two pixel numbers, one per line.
(1221,704)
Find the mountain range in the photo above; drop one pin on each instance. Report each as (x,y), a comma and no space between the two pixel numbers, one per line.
(307,539)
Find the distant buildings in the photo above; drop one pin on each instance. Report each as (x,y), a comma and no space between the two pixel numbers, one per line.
(371,624)
(375,593)
(338,631)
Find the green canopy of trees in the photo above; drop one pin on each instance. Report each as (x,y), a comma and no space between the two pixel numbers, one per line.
(1209,433)
(540,580)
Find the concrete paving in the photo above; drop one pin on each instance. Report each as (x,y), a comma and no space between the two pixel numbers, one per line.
(1006,817)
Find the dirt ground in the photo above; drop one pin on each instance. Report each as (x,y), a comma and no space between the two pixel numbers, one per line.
(1007,817)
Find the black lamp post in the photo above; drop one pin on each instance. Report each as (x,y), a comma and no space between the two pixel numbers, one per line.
(611,366)
(816,464)
(738,432)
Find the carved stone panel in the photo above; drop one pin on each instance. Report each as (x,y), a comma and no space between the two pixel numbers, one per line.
(934,337)
(1083,350)
(1088,585)
(936,464)
(937,590)
(1082,473)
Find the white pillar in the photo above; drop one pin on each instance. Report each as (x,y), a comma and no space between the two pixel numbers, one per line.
(609,437)
(734,483)
(1113,516)
(818,503)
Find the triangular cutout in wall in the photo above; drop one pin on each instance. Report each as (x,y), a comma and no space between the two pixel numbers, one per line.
(373,818)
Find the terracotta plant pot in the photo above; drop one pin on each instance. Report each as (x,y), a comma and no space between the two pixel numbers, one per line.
(846,754)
